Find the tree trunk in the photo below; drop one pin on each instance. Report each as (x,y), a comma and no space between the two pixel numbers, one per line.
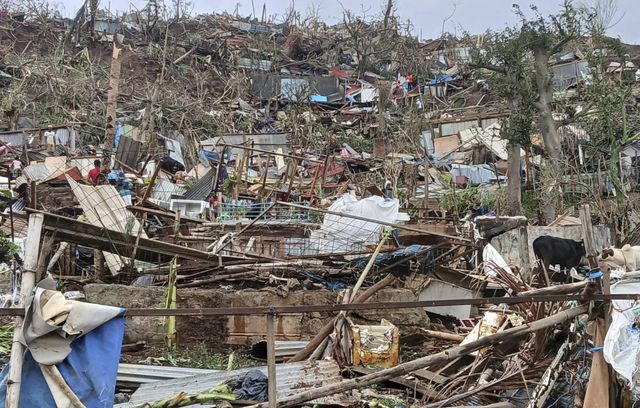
(547,125)
(387,13)
(514,193)
(552,199)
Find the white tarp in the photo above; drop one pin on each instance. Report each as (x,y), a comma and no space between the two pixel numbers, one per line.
(622,343)
(492,259)
(344,234)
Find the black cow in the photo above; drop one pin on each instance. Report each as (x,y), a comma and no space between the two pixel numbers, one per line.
(558,251)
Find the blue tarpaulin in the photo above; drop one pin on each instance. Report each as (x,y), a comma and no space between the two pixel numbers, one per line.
(441,79)
(387,258)
(90,370)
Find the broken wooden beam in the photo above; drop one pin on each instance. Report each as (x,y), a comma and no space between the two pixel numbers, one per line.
(441,357)
(148,250)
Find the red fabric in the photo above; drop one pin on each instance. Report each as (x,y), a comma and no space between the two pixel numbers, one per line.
(94,173)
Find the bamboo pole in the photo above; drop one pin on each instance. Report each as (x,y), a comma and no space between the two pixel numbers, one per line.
(443,335)
(438,358)
(63,246)
(149,189)
(32,250)
(272,387)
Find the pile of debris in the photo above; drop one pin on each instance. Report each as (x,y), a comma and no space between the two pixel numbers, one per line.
(286,201)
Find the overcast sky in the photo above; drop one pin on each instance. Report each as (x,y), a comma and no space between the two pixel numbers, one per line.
(427,16)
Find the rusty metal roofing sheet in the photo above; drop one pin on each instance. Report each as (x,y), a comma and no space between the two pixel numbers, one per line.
(105,208)
(292,378)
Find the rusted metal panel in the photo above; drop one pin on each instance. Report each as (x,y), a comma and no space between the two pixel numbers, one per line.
(128,152)
(375,345)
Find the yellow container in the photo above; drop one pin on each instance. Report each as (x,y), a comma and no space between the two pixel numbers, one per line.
(375,345)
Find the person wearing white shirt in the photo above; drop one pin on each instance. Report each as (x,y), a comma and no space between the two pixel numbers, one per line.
(50,138)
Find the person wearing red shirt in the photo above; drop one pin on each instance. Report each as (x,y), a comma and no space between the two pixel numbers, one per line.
(94,173)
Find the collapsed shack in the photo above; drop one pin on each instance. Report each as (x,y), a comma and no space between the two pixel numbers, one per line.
(486,336)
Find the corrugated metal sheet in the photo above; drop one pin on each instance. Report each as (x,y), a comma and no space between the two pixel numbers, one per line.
(84,164)
(289,87)
(292,378)
(175,150)
(105,208)
(136,374)
(36,172)
(455,127)
(262,65)
(202,188)
(66,137)
(128,152)
(16,138)
(164,189)
(284,349)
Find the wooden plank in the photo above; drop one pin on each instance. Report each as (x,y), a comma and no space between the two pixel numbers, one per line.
(148,250)
(404,382)
(427,375)
(446,144)
(271,361)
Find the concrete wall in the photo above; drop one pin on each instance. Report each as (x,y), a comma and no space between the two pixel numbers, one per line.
(244,329)
(516,245)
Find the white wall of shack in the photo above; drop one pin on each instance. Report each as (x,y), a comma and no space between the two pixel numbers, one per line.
(453,128)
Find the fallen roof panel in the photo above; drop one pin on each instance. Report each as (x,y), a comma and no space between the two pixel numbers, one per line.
(292,378)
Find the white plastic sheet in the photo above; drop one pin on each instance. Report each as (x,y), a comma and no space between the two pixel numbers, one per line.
(622,343)
(344,234)
(492,260)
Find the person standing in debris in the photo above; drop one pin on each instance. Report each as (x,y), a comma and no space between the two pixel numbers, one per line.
(16,167)
(50,138)
(410,82)
(5,148)
(213,206)
(94,173)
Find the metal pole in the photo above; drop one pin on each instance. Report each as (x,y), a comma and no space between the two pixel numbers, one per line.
(271,360)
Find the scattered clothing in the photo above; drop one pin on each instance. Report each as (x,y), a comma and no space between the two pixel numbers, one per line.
(253,387)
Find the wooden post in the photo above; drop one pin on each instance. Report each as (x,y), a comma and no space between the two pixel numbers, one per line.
(33,196)
(271,361)
(176,226)
(13,236)
(147,192)
(98,264)
(587,235)
(264,177)
(112,97)
(32,251)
